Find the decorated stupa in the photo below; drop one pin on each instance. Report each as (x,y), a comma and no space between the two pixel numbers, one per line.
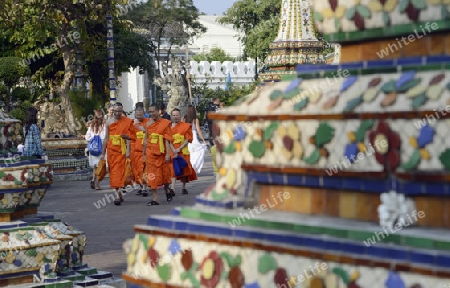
(336,177)
(296,43)
(37,249)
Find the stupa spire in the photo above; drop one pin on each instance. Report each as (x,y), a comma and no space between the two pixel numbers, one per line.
(295,21)
(295,43)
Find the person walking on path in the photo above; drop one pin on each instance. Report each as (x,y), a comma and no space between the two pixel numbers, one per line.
(32,140)
(162,111)
(137,150)
(182,136)
(197,150)
(212,108)
(157,139)
(97,128)
(117,130)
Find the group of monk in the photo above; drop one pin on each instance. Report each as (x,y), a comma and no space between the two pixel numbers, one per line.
(151,144)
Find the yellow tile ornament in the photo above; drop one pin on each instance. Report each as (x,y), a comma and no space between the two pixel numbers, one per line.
(388,6)
(424,154)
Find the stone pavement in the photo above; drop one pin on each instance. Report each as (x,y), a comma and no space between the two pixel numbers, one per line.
(108,226)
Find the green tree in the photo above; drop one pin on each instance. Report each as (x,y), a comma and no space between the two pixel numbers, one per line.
(167,23)
(259,21)
(215,54)
(43,32)
(11,70)
(230,96)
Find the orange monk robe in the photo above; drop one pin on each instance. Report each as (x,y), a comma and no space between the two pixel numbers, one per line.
(117,149)
(158,172)
(181,132)
(137,149)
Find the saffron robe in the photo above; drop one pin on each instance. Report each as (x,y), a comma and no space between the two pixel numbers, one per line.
(137,150)
(181,132)
(117,149)
(157,171)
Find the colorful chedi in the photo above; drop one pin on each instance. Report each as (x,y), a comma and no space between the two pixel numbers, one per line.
(35,248)
(337,169)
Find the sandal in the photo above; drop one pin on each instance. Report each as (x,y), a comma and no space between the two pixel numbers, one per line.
(152,203)
(92,184)
(172,193)
(139,192)
(119,200)
(169,197)
(144,193)
(184,191)
(98,188)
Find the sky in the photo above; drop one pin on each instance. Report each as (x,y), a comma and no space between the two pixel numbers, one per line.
(211,7)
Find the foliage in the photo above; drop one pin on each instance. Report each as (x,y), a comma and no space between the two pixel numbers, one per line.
(83,107)
(12,69)
(167,23)
(39,92)
(43,32)
(19,112)
(259,22)
(215,54)
(230,96)
(3,89)
(21,94)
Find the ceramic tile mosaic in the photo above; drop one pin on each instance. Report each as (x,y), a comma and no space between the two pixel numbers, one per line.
(172,260)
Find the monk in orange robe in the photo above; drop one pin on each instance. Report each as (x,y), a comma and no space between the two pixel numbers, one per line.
(117,130)
(157,139)
(137,150)
(182,135)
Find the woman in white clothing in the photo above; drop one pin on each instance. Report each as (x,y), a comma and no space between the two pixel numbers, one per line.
(196,149)
(97,127)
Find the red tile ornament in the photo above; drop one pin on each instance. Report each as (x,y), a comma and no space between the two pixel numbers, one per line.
(187,259)
(280,278)
(153,255)
(236,277)
(388,156)
(211,269)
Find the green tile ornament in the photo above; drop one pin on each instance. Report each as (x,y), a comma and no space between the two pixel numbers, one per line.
(236,261)
(388,87)
(413,161)
(257,148)
(268,131)
(191,275)
(230,149)
(291,94)
(342,274)
(324,134)
(318,16)
(301,104)
(276,94)
(220,196)
(361,132)
(445,159)
(267,263)
(143,239)
(164,272)
(313,158)
(419,101)
(352,104)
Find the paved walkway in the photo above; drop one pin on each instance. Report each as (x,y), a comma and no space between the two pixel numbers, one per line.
(108,226)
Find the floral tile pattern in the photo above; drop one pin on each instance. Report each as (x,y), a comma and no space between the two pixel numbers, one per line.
(215,265)
(409,145)
(334,16)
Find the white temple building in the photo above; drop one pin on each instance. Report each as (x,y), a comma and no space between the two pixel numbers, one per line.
(134,87)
